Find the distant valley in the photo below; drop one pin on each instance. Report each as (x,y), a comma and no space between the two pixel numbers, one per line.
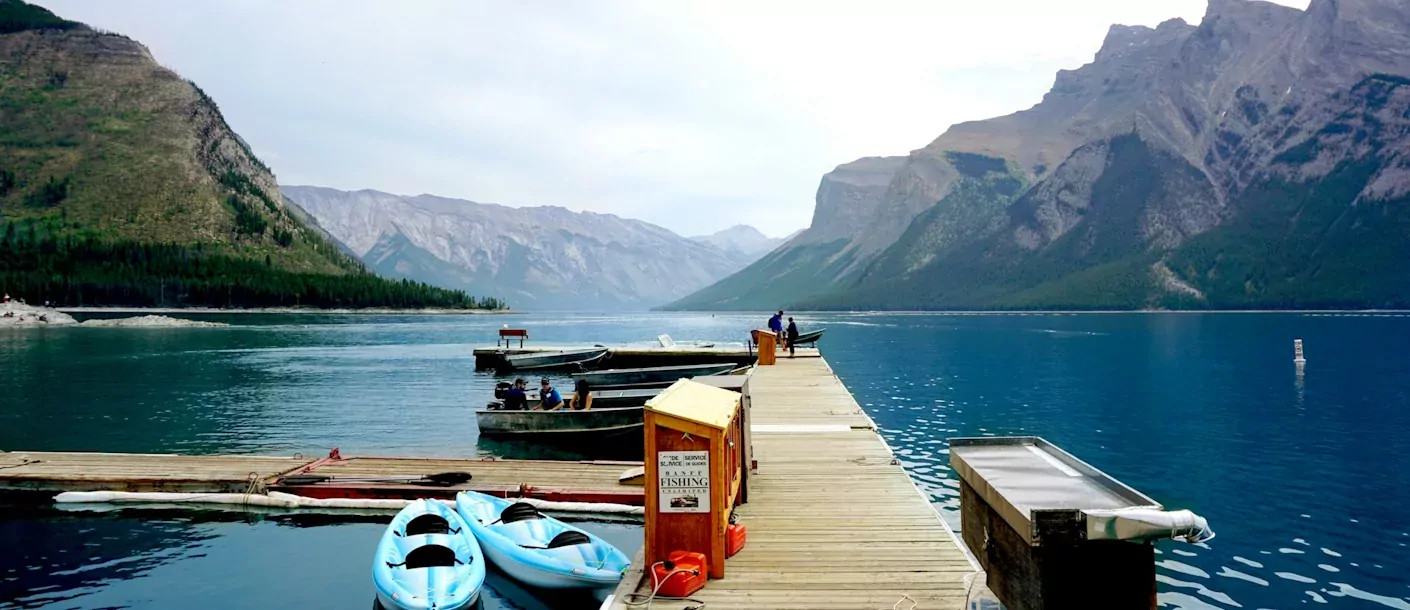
(532,257)
(1259,159)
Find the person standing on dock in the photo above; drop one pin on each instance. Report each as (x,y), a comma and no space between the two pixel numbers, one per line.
(776,325)
(792,335)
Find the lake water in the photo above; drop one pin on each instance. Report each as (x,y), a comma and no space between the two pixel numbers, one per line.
(1303,476)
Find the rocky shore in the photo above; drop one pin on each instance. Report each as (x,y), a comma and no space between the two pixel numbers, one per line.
(17,314)
(14,313)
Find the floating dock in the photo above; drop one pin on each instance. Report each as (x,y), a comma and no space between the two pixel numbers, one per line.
(833,520)
(347,477)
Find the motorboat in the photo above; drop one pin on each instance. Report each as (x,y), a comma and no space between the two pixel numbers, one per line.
(574,359)
(664,375)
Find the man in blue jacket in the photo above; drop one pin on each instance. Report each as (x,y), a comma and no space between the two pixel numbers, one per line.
(776,325)
(550,399)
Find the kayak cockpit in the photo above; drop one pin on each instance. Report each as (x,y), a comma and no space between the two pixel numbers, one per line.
(429,524)
(429,556)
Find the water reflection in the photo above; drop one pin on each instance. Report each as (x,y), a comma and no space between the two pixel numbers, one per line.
(96,556)
(52,556)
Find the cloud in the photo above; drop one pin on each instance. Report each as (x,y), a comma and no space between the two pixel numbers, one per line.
(696,116)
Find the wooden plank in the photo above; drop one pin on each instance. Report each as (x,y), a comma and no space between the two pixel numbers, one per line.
(79,471)
(58,472)
(833,519)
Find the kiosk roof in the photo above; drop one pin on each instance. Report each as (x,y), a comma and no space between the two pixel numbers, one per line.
(697,402)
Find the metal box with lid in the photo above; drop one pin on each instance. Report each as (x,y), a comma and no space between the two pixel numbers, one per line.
(1051,531)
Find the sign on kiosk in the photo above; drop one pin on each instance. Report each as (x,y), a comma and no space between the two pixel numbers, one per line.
(684,480)
(694,468)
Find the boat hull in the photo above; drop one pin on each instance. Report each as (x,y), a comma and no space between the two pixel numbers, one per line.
(571,359)
(384,603)
(596,422)
(663,374)
(607,399)
(546,580)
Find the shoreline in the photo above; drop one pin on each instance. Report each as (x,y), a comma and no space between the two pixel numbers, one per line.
(284,310)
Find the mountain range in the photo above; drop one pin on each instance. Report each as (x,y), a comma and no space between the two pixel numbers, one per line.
(1255,160)
(534,257)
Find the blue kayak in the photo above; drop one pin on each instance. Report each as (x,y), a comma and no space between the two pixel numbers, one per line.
(539,550)
(428,560)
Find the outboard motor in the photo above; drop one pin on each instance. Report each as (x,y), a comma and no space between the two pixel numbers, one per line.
(501,391)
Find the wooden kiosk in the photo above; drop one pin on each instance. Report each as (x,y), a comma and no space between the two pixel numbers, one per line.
(694,470)
(768,346)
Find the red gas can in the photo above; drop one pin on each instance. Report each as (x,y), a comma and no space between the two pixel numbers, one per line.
(734,539)
(681,574)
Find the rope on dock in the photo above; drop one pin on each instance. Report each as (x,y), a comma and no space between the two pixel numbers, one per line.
(276,499)
(628,599)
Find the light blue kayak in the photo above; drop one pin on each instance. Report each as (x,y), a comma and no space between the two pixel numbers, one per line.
(428,560)
(538,550)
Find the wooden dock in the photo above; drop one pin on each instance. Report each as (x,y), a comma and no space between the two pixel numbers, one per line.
(833,520)
(567,481)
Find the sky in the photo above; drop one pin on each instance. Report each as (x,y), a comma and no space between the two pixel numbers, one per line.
(695,116)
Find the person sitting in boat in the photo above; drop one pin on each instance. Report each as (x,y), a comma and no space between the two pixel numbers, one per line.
(517,397)
(582,395)
(549,398)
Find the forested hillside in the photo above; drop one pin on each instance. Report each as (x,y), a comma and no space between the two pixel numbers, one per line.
(122,184)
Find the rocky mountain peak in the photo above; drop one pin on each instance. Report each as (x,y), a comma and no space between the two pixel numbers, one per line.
(848,197)
(1247,11)
(1125,40)
(1365,36)
(1174,141)
(743,239)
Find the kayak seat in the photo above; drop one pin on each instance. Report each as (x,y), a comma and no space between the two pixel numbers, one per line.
(569,538)
(519,511)
(428,524)
(429,556)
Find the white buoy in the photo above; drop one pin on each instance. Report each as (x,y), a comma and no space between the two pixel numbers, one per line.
(1297,352)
